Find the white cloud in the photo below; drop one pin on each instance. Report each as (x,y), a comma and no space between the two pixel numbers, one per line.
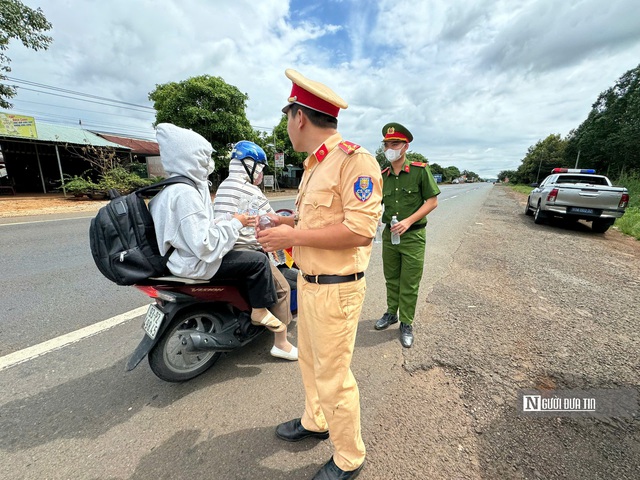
(477,82)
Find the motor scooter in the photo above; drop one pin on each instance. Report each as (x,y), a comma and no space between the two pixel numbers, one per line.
(193,322)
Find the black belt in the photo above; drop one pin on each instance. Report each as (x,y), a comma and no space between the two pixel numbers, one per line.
(413,227)
(322,279)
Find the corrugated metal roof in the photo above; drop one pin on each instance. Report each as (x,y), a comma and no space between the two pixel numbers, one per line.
(48,132)
(137,145)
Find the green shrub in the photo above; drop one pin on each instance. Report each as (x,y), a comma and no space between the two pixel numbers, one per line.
(629,224)
(122,180)
(77,185)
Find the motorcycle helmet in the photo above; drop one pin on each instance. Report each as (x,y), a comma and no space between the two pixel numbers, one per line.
(251,156)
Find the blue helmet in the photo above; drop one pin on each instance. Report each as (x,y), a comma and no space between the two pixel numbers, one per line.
(246,149)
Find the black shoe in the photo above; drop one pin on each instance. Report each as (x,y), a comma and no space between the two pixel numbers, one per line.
(330,471)
(406,335)
(293,431)
(386,320)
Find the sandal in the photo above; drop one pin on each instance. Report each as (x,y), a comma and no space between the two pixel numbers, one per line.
(270,322)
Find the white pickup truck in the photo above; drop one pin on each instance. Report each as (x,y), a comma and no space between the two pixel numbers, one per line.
(575,194)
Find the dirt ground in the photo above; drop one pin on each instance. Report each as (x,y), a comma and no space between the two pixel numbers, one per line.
(44,204)
(526,306)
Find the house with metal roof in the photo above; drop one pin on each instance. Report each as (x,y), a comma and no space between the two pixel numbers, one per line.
(37,157)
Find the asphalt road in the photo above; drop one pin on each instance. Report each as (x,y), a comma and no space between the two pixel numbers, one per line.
(505,305)
(73,412)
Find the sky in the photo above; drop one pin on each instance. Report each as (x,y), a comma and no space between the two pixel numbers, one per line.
(477,82)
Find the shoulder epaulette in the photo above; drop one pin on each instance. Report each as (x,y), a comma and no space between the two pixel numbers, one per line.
(348,147)
(418,164)
(385,170)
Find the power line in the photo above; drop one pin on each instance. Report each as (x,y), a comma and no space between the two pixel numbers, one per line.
(81,99)
(75,108)
(73,92)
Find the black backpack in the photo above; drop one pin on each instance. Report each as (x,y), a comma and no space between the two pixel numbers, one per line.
(123,238)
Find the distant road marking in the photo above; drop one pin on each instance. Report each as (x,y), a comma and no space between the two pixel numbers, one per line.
(43,221)
(56,343)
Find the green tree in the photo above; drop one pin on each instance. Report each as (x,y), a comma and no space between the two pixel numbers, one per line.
(471,176)
(609,139)
(507,174)
(207,105)
(417,157)
(541,158)
(17,21)
(436,169)
(381,159)
(283,144)
(450,173)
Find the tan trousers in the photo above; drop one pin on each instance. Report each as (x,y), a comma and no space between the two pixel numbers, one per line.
(327,324)
(282,308)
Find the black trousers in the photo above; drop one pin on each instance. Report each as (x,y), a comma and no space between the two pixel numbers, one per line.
(252,271)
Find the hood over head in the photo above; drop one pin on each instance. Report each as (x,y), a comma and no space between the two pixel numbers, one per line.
(184,152)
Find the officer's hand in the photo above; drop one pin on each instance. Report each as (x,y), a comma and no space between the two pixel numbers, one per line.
(401,227)
(276,238)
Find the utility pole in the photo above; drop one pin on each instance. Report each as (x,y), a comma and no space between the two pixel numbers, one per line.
(577,158)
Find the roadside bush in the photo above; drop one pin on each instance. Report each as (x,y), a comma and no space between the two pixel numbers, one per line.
(118,178)
(77,185)
(629,224)
(122,180)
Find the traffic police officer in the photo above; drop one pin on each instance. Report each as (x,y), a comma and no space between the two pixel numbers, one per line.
(409,193)
(339,205)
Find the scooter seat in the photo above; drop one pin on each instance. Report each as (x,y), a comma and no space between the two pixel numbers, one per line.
(173,278)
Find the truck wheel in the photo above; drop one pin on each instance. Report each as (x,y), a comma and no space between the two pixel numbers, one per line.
(600,226)
(172,360)
(527,210)
(539,216)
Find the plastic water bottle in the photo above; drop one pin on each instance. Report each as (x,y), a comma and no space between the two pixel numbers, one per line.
(378,237)
(264,222)
(395,238)
(254,206)
(245,205)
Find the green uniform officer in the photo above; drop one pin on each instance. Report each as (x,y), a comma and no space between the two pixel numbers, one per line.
(409,193)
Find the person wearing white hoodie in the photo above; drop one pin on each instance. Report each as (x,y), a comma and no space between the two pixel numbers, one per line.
(183,219)
(245,174)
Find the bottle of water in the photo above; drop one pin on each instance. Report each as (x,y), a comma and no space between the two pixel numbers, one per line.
(378,237)
(264,222)
(244,207)
(395,238)
(254,206)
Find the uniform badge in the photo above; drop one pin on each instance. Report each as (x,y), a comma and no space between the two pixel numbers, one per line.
(363,188)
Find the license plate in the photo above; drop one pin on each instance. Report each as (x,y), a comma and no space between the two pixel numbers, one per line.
(582,210)
(153,320)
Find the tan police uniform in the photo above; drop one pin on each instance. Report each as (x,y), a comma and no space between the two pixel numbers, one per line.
(341,184)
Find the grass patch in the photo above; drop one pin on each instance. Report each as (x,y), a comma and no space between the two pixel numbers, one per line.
(526,189)
(629,224)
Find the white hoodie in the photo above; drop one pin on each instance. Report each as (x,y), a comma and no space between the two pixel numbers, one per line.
(183,216)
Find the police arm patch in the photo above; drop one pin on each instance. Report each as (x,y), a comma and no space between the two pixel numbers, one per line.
(363,188)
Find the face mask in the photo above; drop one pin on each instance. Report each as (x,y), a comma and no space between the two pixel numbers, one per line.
(210,167)
(393,155)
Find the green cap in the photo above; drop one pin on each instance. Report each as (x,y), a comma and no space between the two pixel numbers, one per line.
(395,131)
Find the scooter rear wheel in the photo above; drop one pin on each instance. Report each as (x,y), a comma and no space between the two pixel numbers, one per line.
(171,359)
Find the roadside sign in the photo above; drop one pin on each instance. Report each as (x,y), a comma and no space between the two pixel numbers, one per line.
(279,157)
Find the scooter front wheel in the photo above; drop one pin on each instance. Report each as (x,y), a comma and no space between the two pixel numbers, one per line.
(172,359)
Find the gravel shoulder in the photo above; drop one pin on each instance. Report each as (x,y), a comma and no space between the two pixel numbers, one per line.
(524,306)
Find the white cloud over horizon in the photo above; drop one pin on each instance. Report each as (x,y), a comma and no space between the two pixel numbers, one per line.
(477,82)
